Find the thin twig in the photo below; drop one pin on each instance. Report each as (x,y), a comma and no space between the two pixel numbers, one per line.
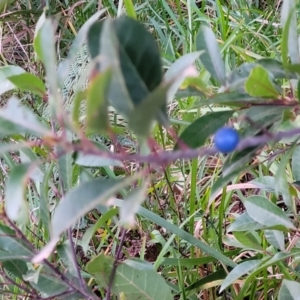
(114,269)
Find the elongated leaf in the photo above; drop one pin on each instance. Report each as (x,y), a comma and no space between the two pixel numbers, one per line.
(16,267)
(197,133)
(296,163)
(139,46)
(44,43)
(77,43)
(211,58)
(84,198)
(290,36)
(180,70)
(265,212)
(243,223)
(44,46)
(17,119)
(248,240)
(259,84)
(107,45)
(231,99)
(142,117)
(12,244)
(281,183)
(275,238)
(29,82)
(97,102)
(240,270)
(5,73)
(289,290)
(15,202)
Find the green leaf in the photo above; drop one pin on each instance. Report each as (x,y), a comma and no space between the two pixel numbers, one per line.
(103,43)
(47,283)
(275,238)
(90,160)
(142,117)
(65,253)
(5,73)
(296,163)
(83,199)
(248,240)
(65,170)
(15,267)
(259,84)
(265,212)
(290,290)
(28,82)
(181,69)
(240,270)
(289,43)
(44,46)
(96,103)
(138,46)
(15,202)
(277,69)
(243,223)
(130,9)
(101,267)
(77,44)
(16,119)
(125,45)
(197,133)
(140,284)
(281,183)
(211,58)
(44,212)
(231,99)
(12,244)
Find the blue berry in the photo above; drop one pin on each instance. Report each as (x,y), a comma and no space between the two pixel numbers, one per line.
(226,139)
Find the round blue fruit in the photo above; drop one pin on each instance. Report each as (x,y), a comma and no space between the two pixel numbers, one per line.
(226,139)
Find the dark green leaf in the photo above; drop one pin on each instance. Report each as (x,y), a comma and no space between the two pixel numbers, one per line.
(197,133)
(16,267)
